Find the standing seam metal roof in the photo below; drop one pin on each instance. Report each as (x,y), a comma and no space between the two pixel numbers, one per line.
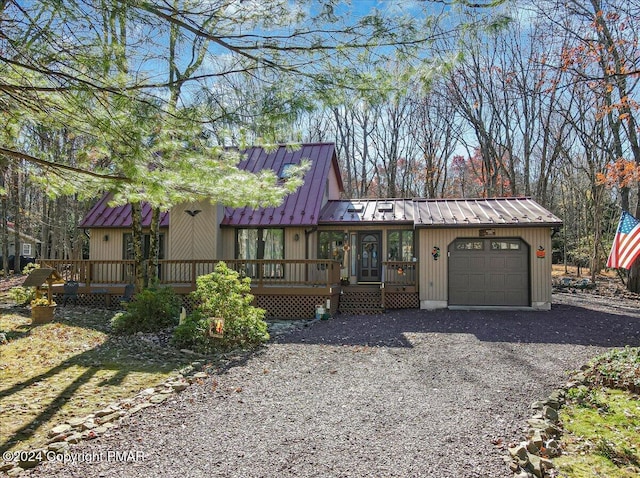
(302,208)
(482,212)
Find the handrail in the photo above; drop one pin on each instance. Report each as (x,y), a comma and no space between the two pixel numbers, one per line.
(265,272)
(404,273)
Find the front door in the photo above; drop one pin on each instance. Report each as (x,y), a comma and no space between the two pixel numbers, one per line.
(369,256)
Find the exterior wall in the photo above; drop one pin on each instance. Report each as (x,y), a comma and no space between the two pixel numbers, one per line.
(23,241)
(434,273)
(194,237)
(333,188)
(106,244)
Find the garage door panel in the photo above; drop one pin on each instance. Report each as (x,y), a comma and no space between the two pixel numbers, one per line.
(489,276)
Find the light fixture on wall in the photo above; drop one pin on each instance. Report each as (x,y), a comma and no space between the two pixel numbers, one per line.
(296,237)
(105,238)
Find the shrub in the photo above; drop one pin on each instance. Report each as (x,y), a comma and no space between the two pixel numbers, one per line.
(222,295)
(151,310)
(22,295)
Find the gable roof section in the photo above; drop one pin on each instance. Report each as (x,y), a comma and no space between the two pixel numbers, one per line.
(368,211)
(482,212)
(301,208)
(102,215)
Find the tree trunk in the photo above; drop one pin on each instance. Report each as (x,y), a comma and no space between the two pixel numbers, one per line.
(154,248)
(137,238)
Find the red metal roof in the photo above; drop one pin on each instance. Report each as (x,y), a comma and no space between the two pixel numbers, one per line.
(302,208)
(102,215)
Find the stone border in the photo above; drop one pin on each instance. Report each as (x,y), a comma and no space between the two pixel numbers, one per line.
(531,458)
(75,430)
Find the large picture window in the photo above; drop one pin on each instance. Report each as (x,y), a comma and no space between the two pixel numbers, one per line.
(400,245)
(331,245)
(260,244)
(257,244)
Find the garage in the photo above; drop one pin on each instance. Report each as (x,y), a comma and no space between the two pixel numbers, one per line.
(489,272)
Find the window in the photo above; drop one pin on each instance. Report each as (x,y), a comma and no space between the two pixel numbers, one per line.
(331,245)
(127,252)
(505,245)
(470,245)
(260,243)
(285,171)
(400,245)
(26,250)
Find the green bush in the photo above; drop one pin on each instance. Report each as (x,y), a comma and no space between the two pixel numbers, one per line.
(22,295)
(222,295)
(151,310)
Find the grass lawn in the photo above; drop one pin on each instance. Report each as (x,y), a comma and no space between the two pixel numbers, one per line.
(602,424)
(69,368)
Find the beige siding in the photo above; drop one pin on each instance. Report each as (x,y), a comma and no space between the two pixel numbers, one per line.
(106,244)
(434,273)
(333,188)
(194,237)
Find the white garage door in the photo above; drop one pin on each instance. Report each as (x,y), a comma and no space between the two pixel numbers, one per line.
(490,272)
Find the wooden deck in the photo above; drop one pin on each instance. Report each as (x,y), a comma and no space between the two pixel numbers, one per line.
(285,288)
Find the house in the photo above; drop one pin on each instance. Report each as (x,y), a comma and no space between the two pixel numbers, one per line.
(29,247)
(320,249)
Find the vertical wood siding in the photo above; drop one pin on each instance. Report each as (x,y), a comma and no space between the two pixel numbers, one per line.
(434,273)
(194,237)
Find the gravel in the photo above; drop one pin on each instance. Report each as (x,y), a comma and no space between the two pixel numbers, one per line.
(406,393)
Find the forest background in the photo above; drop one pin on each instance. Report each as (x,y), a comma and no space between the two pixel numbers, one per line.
(422,99)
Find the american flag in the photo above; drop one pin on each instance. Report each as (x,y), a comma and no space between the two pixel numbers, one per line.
(626,243)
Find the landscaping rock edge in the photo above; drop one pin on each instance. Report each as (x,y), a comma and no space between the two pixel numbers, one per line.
(532,457)
(74,430)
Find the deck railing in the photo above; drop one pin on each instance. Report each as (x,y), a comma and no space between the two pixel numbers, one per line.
(401,273)
(302,273)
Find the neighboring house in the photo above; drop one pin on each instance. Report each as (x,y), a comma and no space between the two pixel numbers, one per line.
(319,248)
(29,246)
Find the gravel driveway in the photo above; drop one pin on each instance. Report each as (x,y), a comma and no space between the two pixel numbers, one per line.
(404,394)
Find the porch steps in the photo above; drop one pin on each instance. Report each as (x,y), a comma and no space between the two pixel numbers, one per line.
(361,300)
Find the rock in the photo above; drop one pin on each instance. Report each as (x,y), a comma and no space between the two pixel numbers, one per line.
(156,399)
(3,339)
(105,412)
(76,422)
(107,418)
(537,439)
(533,448)
(553,448)
(88,424)
(58,447)
(147,391)
(519,454)
(544,425)
(550,414)
(535,466)
(6,466)
(196,365)
(57,438)
(139,407)
(199,376)
(73,439)
(179,386)
(60,430)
